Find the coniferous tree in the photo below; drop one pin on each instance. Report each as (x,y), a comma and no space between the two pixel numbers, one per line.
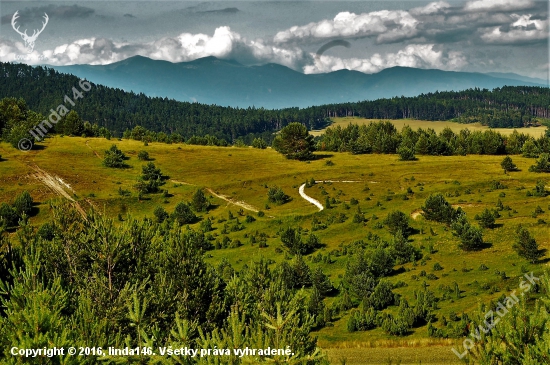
(507,164)
(160,214)
(504,343)
(540,189)
(276,195)
(406,153)
(259,143)
(321,281)
(114,157)
(295,142)
(542,164)
(471,239)
(183,215)
(487,219)
(23,203)
(143,156)
(526,246)
(422,146)
(199,202)
(71,124)
(436,208)
(293,241)
(397,221)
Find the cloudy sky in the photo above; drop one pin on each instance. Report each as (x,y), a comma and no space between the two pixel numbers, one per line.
(308,36)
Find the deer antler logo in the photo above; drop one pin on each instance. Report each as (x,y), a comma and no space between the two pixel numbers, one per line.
(29,40)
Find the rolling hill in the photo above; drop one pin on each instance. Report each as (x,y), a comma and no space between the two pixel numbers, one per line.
(214,81)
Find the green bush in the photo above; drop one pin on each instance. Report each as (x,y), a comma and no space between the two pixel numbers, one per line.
(23,204)
(406,153)
(160,214)
(487,219)
(199,202)
(143,156)
(382,296)
(397,221)
(526,246)
(294,142)
(114,158)
(437,209)
(276,195)
(259,143)
(183,214)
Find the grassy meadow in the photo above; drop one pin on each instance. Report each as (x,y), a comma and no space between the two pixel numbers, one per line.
(438,126)
(380,186)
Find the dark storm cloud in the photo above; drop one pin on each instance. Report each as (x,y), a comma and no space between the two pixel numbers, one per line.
(29,15)
(507,23)
(220,11)
(451,35)
(436,22)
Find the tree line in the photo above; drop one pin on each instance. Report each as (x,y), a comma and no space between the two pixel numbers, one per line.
(506,107)
(383,137)
(43,89)
(116,110)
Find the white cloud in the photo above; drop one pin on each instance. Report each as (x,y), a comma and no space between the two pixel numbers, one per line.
(431,8)
(524,29)
(224,43)
(498,5)
(387,25)
(414,55)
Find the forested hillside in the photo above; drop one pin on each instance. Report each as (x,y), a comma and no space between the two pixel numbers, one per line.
(500,108)
(117,110)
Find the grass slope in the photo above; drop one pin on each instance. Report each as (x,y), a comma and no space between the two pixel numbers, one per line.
(438,126)
(242,174)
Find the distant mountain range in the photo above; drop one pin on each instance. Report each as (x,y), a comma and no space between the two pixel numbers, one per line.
(214,81)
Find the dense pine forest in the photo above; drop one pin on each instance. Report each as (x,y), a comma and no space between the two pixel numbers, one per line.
(117,110)
(504,107)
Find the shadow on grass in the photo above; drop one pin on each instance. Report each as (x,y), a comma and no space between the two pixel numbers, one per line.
(484,246)
(321,156)
(34,209)
(542,252)
(38,147)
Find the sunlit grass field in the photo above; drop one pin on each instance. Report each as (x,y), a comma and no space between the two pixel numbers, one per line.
(381,182)
(438,126)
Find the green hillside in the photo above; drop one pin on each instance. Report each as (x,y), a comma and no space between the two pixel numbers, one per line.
(364,190)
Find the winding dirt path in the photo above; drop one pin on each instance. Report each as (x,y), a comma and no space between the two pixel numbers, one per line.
(341,181)
(416,213)
(94,151)
(181,182)
(238,203)
(315,202)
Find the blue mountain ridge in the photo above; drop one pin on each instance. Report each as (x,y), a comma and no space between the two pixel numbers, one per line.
(211,80)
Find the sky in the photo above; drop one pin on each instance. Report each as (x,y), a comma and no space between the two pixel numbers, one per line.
(307,36)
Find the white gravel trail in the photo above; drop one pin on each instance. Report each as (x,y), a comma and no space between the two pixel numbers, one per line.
(316,202)
(310,199)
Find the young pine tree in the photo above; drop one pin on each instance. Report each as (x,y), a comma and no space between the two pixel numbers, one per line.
(199,201)
(507,164)
(526,246)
